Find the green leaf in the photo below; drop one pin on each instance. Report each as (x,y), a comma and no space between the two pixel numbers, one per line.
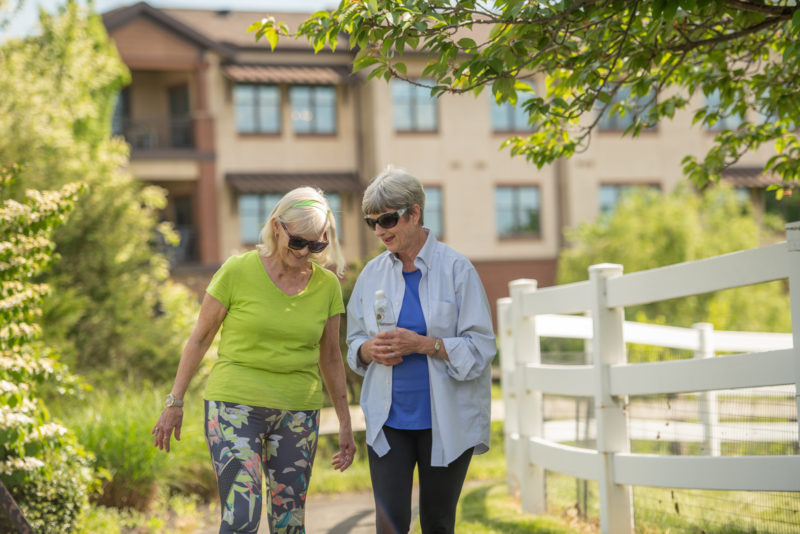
(466,43)
(272,37)
(670,9)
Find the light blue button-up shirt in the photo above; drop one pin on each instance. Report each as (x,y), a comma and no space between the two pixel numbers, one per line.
(456,309)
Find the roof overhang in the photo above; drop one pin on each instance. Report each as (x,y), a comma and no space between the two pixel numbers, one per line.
(287,74)
(120,17)
(257,183)
(753,177)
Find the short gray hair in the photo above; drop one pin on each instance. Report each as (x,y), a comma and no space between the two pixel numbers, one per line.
(394,189)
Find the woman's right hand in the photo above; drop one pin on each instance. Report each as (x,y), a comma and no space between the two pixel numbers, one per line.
(378,350)
(171,420)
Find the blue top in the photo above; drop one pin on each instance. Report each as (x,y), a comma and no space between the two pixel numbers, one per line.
(456,310)
(411,389)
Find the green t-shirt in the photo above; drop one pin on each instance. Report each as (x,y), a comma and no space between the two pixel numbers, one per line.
(269,350)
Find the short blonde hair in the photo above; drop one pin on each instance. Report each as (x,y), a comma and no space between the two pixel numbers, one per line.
(308,211)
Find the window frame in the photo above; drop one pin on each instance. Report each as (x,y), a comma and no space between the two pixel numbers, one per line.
(313,106)
(623,186)
(440,189)
(262,214)
(511,111)
(519,235)
(256,106)
(415,101)
(614,123)
(713,100)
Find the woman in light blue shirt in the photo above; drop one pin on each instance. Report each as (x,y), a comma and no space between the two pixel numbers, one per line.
(426,394)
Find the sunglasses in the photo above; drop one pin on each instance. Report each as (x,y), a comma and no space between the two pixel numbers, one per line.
(387,220)
(298,243)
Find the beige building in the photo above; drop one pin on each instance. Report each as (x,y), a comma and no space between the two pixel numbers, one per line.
(226,126)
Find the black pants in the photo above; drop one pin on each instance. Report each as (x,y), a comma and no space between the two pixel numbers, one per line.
(393,477)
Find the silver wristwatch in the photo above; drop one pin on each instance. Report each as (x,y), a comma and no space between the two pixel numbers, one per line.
(172,401)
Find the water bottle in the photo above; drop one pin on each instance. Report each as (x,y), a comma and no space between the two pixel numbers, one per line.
(384,314)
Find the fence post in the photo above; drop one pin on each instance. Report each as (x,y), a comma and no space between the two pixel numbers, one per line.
(511,438)
(708,405)
(793,253)
(530,407)
(608,348)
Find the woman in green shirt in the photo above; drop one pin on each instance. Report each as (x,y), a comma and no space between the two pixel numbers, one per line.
(279,312)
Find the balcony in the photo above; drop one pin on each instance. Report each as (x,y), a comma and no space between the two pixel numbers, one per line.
(157,135)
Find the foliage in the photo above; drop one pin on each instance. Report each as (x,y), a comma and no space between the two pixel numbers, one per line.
(649,229)
(40,461)
(176,514)
(121,441)
(113,309)
(644,58)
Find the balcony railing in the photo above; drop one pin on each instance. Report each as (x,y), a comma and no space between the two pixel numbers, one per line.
(157,133)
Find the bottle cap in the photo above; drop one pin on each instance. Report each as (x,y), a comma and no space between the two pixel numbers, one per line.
(379,294)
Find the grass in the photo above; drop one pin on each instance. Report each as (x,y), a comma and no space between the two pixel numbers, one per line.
(117,429)
(487,508)
(325,480)
(177,514)
(664,510)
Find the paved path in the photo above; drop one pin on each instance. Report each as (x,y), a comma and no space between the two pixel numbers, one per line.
(346,513)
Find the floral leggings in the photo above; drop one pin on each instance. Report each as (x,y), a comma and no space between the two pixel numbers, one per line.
(241,440)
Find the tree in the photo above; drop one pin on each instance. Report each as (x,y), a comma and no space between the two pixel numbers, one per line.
(113,308)
(644,58)
(649,229)
(41,464)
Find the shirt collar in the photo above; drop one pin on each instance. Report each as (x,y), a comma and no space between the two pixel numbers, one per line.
(425,254)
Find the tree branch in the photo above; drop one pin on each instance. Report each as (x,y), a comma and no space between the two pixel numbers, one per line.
(760,8)
(691,45)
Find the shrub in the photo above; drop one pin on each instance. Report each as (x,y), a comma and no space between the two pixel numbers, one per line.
(116,429)
(53,502)
(40,462)
(115,425)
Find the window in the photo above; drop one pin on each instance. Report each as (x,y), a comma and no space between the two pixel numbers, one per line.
(611,119)
(258,108)
(335,203)
(253,213)
(509,118)
(255,209)
(433,211)
(768,111)
(728,120)
(517,210)
(609,195)
(414,108)
(121,119)
(313,109)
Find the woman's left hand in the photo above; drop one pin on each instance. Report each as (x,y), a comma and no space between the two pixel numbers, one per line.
(400,341)
(347,449)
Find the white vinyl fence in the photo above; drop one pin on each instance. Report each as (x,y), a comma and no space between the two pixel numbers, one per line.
(762,360)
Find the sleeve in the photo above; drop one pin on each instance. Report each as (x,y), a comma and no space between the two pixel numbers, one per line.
(336,305)
(357,332)
(220,286)
(474,346)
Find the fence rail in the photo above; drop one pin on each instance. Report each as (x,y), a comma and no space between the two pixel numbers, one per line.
(762,360)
